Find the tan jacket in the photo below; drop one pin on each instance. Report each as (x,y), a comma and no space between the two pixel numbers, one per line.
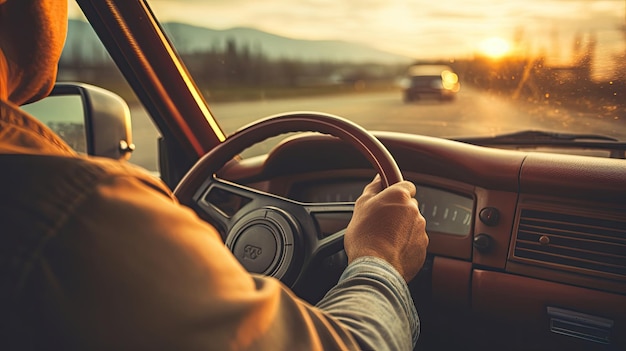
(97,254)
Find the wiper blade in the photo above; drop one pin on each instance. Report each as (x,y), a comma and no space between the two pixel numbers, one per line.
(536,136)
(543,138)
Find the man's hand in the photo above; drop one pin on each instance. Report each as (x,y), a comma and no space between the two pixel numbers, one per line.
(387,224)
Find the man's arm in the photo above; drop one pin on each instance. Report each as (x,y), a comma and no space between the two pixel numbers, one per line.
(131,269)
(386,246)
(373,301)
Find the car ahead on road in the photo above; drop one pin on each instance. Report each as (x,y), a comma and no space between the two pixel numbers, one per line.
(431,81)
(526,213)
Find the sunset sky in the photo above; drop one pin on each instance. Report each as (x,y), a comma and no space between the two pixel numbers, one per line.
(417,28)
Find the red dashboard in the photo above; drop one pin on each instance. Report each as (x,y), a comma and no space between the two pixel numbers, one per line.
(535,239)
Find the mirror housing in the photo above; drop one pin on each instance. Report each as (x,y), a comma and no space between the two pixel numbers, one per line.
(104,129)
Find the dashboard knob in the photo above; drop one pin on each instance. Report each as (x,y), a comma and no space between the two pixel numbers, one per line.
(483,243)
(489,215)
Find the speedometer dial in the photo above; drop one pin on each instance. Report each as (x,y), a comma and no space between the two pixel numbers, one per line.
(445,212)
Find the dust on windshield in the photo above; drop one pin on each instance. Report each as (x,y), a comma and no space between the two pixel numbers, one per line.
(508,65)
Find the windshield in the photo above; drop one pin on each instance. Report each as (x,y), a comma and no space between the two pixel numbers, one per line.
(452,69)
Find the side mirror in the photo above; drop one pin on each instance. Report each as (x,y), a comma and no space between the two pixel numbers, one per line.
(91,120)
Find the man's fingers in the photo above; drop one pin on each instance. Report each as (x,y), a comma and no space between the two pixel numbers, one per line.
(374,187)
(402,192)
(408,186)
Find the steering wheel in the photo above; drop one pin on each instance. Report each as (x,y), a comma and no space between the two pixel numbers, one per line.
(269,234)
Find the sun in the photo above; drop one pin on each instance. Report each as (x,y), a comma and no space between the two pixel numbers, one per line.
(495,47)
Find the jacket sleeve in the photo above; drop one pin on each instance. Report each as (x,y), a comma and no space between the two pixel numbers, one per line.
(131,269)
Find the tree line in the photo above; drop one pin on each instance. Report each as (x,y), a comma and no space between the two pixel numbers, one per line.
(234,65)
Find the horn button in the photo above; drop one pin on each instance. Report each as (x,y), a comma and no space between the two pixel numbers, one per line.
(263,241)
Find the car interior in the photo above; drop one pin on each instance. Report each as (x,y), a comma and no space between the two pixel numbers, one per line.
(527,231)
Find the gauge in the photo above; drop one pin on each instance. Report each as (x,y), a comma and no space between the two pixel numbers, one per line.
(445,212)
(331,191)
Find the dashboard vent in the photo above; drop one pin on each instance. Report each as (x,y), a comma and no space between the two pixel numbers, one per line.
(572,242)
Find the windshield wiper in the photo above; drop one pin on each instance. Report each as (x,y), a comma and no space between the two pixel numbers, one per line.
(536,138)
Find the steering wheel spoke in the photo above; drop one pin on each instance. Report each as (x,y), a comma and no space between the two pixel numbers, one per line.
(328,246)
(329,219)
(222,203)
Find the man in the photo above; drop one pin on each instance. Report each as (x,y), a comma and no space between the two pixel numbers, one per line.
(96,255)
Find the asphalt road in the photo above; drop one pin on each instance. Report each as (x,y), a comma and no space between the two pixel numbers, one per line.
(473,113)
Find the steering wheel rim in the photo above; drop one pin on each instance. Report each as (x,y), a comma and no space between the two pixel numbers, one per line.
(281,222)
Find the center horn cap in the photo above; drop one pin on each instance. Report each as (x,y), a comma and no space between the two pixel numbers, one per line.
(263,241)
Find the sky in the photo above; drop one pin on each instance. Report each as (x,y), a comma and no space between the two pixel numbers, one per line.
(418,28)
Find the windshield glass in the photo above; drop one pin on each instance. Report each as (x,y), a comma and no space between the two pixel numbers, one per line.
(449,69)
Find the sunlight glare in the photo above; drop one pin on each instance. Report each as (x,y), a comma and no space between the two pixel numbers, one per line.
(495,47)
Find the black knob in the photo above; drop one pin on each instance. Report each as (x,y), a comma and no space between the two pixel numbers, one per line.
(483,243)
(489,215)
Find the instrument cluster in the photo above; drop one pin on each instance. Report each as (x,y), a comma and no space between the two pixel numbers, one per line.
(445,212)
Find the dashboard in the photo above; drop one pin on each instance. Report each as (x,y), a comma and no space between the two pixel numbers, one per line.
(521,243)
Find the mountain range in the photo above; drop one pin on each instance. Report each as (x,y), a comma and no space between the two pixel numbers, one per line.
(82,43)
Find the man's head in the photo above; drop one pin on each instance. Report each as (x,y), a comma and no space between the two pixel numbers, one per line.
(32,35)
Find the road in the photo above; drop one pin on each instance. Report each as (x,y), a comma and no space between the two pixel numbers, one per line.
(473,113)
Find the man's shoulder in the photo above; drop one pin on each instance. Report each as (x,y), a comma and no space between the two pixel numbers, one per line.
(76,173)
(38,193)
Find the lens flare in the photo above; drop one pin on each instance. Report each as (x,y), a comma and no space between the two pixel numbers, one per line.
(495,47)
